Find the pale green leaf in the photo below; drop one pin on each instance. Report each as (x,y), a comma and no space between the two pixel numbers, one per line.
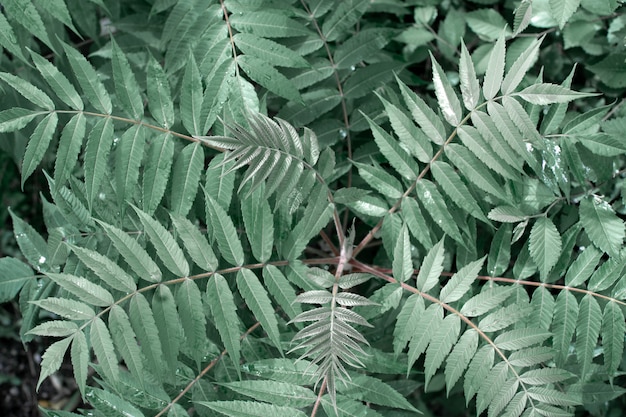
(224,312)
(79,354)
(84,289)
(507,214)
(545,376)
(361,46)
(69,147)
(259,222)
(543,305)
(500,251)
(125,341)
(268,51)
(267,24)
(55,328)
(269,77)
(581,269)
(13,275)
(367,388)
(478,369)
(167,249)
(70,309)
(545,93)
(57,81)
(195,243)
(521,338)
(274,392)
(89,80)
(407,322)
(191,98)
(343,17)
(461,281)
(545,245)
(220,180)
(460,357)
(281,290)
(556,113)
(427,326)
(446,97)
(240,408)
(224,231)
(495,69)
(489,298)
(53,358)
(487,23)
(25,13)
(192,318)
(602,225)
(108,271)
(366,79)
(159,94)
(501,149)
(521,19)
(17,118)
(423,115)
(441,344)
(126,87)
(142,321)
(402,264)
(453,185)
(157,171)
(564,324)
(97,153)
(531,356)
(380,180)
(102,345)
(128,156)
(587,331)
(552,396)
(562,10)
(435,205)
(28,91)
(607,274)
(489,387)
(168,323)
(511,134)
(257,300)
(111,404)
(612,336)
(134,255)
(413,217)
(58,9)
(186,178)
(479,144)
(31,244)
(38,144)
(431,268)
(8,40)
(603,144)
(521,66)
(470,90)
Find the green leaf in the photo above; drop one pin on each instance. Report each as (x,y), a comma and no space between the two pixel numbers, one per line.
(126,87)
(125,341)
(612,332)
(446,97)
(128,157)
(240,408)
(453,185)
(89,80)
(106,269)
(397,157)
(603,144)
(281,290)
(343,17)
(500,251)
(478,369)
(144,325)
(195,243)
(17,118)
(587,330)
(552,396)
(460,357)
(38,144)
(96,157)
(8,40)
(13,275)
(186,178)
(268,25)
(224,232)
(521,19)
(70,309)
(407,322)
(134,255)
(521,338)
(487,23)
(257,217)
(423,115)
(53,358)
(69,147)
(268,51)
(581,269)
(157,171)
(402,264)
(58,10)
(470,90)
(111,404)
(461,281)
(168,323)
(25,13)
(79,355)
(441,344)
(102,345)
(167,249)
(31,244)
(602,225)
(521,66)
(410,135)
(495,69)
(224,312)
(159,94)
(192,318)
(361,46)
(564,325)
(477,142)
(277,393)
(257,300)
(474,170)
(562,10)
(493,382)
(191,98)
(435,204)
(431,268)
(545,93)
(267,76)
(380,180)
(500,147)
(366,388)
(427,326)
(488,299)
(55,328)
(57,81)
(84,289)
(545,245)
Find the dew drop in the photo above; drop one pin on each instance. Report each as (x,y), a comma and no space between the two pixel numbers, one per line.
(42,259)
(102,196)
(529,147)
(343,133)
(352,68)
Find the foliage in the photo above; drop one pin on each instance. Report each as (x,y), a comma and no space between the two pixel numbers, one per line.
(367,244)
